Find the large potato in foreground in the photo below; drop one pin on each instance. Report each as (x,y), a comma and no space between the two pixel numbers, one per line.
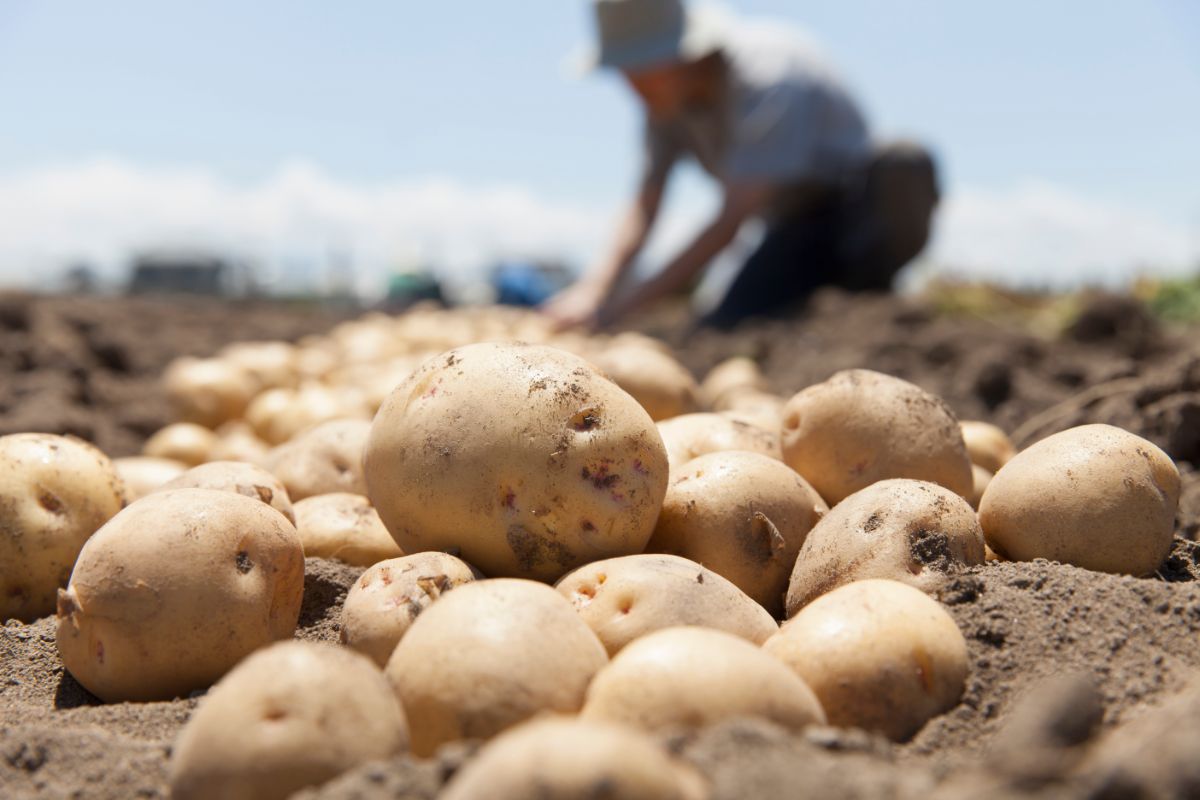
(694,435)
(55,491)
(880,655)
(240,478)
(488,655)
(175,590)
(343,526)
(987,445)
(563,758)
(1094,496)
(657,381)
(908,531)
(325,459)
(744,516)
(860,427)
(627,597)
(291,715)
(690,677)
(383,603)
(523,459)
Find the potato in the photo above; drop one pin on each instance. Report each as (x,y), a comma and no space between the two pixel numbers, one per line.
(656,380)
(730,376)
(757,408)
(343,526)
(690,677)
(488,655)
(208,391)
(980,478)
(143,474)
(55,491)
(324,459)
(987,446)
(908,531)
(563,758)
(1094,496)
(624,598)
(182,441)
(278,415)
(270,364)
(174,590)
(694,435)
(744,516)
(523,459)
(291,715)
(240,478)
(860,427)
(237,441)
(382,604)
(880,655)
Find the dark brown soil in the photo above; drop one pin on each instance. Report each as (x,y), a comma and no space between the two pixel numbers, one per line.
(1081,683)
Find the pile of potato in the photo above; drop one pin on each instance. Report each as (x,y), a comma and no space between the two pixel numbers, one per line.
(569,543)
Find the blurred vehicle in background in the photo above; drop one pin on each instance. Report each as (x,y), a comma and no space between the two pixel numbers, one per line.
(406,289)
(528,283)
(189,272)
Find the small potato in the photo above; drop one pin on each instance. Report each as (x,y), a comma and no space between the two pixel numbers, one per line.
(879,654)
(694,435)
(624,598)
(488,655)
(208,391)
(291,715)
(182,441)
(744,516)
(908,531)
(1095,496)
(324,459)
(176,589)
(237,441)
(564,758)
(382,604)
(860,427)
(524,459)
(143,474)
(987,446)
(980,478)
(690,677)
(55,491)
(240,478)
(758,408)
(730,376)
(270,364)
(656,380)
(278,415)
(343,526)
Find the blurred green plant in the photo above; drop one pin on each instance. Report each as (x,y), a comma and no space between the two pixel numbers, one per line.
(1175,300)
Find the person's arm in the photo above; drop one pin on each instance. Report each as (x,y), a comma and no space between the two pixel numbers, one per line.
(579,303)
(740,203)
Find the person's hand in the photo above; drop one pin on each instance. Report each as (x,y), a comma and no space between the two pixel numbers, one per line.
(577,306)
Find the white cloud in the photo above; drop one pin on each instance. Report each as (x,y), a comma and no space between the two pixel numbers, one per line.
(299,220)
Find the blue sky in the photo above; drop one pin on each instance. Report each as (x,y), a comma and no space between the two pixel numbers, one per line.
(1086,110)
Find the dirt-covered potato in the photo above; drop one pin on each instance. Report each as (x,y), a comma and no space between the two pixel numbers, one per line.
(732,375)
(237,441)
(987,445)
(860,427)
(624,598)
(382,604)
(240,478)
(1095,496)
(291,715)
(174,590)
(488,655)
(343,526)
(324,459)
(564,758)
(880,655)
(182,441)
(55,491)
(980,478)
(909,531)
(208,391)
(143,474)
(689,677)
(744,516)
(657,381)
(523,459)
(694,435)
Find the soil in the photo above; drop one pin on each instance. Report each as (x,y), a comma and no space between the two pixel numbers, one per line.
(1083,685)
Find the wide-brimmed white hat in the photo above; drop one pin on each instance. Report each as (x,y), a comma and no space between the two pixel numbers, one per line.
(637,34)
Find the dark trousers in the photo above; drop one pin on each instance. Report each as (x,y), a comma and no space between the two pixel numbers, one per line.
(856,237)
